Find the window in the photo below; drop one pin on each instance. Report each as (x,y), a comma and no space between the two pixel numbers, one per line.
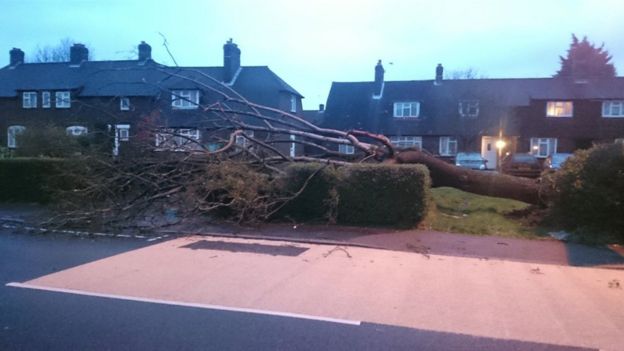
(613,108)
(45,99)
(406,141)
(76,130)
(346,149)
(178,139)
(12,133)
(559,109)
(124,104)
(469,108)
(293,103)
(29,99)
(543,147)
(63,99)
(123,132)
(242,141)
(406,109)
(185,99)
(448,146)
(293,146)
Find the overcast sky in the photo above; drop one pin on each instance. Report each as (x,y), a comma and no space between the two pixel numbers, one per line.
(312,43)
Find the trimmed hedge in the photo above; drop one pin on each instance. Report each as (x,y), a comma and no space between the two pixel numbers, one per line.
(362,194)
(28,179)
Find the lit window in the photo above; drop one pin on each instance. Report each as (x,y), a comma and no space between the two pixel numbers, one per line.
(469,108)
(242,141)
(76,130)
(543,147)
(406,109)
(293,103)
(185,99)
(63,99)
(448,146)
(559,109)
(406,141)
(346,149)
(178,139)
(613,108)
(45,99)
(29,99)
(12,133)
(124,104)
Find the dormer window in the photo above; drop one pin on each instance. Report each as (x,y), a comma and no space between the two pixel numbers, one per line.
(124,104)
(185,99)
(559,109)
(409,109)
(63,99)
(469,108)
(29,99)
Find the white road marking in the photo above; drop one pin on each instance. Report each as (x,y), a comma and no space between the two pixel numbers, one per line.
(185,304)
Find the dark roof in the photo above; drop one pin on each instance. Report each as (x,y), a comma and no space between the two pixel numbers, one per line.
(313,116)
(134,78)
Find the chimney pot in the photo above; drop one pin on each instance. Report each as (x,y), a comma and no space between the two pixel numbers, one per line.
(321,107)
(379,79)
(145,51)
(16,56)
(78,53)
(439,74)
(231,60)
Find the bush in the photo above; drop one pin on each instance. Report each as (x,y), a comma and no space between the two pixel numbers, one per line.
(28,179)
(589,191)
(49,141)
(363,194)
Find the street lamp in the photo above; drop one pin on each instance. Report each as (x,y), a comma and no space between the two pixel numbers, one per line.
(500,145)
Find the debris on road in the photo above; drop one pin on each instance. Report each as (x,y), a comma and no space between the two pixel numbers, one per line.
(337,248)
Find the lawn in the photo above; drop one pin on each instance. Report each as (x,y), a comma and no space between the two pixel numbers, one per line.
(461,212)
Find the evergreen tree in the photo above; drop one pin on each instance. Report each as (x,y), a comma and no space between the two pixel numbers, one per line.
(585,60)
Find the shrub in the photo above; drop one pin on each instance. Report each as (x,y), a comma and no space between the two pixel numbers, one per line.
(29,179)
(364,194)
(48,141)
(589,191)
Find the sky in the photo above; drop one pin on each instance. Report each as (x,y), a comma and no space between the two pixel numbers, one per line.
(311,44)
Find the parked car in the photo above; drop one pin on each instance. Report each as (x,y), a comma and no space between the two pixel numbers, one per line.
(472,160)
(555,161)
(521,165)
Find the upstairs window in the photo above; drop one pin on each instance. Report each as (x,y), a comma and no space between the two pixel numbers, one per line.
(407,109)
(45,99)
(543,147)
(346,149)
(469,108)
(185,99)
(63,99)
(448,146)
(559,109)
(29,99)
(12,133)
(293,103)
(406,141)
(76,130)
(614,108)
(124,104)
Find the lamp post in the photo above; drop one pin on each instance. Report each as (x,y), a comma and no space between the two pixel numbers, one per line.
(500,145)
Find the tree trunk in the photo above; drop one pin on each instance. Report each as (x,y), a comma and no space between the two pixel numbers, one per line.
(478,182)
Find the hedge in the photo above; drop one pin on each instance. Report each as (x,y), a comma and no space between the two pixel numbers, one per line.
(363,194)
(28,179)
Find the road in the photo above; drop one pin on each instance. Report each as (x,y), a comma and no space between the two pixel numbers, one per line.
(201,293)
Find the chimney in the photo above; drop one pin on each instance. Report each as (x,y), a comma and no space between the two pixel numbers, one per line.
(321,107)
(78,53)
(145,51)
(16,57)
(439,74)
(379,80)
(231,61)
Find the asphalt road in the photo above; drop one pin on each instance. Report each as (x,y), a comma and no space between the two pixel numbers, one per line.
(44,320)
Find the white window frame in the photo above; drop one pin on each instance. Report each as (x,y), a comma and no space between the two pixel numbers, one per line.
(448,146)
(12,133)
(63,99)
(346,149)
(405,141)
(406,109)
(29,99)
(609,110)
(185,99)
(468,108)
(293,146)
(124,104)
(242,141)
(178,139)
(550,145)
(293,103)
(46,100)
(123,131)
(557,109)
(76,130)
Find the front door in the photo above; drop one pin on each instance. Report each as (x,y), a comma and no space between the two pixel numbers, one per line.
(488,151)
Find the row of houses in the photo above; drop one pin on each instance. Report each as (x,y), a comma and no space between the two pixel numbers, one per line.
(536,115)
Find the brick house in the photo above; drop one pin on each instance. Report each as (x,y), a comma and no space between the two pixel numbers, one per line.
(537,115)
(115,96)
